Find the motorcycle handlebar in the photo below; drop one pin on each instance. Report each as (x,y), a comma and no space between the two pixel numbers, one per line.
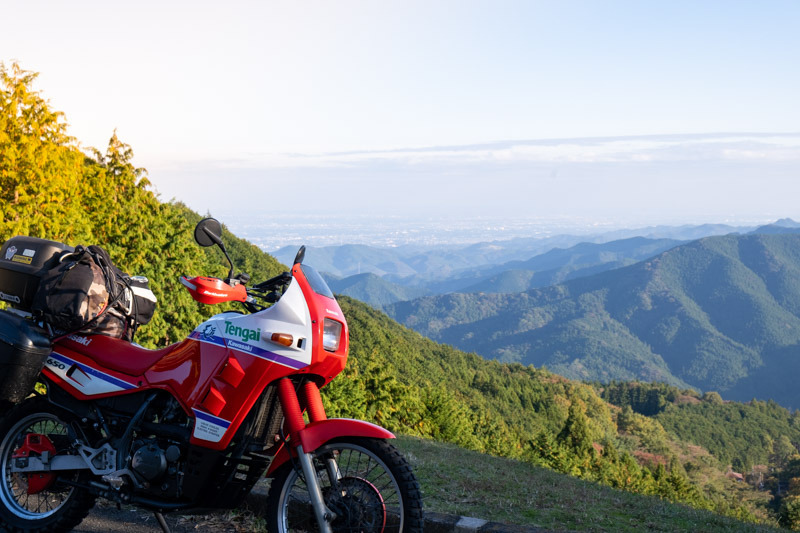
(269,290)
(281,279)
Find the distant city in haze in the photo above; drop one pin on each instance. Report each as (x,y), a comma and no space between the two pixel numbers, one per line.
(271,233)
(495,191)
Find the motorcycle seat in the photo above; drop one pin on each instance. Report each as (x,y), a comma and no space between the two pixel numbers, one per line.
(117,354)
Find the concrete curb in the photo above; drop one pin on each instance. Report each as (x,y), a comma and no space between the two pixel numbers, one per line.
(434,522)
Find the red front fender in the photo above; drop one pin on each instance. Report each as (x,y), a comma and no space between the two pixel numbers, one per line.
(316,434)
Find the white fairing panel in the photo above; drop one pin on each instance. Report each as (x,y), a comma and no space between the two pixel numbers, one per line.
(252,333)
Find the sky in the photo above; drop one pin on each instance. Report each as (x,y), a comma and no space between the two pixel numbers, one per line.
(653,111)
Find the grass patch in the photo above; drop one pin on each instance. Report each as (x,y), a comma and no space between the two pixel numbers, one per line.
(458,481)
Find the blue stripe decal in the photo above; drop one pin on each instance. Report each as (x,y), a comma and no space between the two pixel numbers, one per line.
(211,418)
(248,348)
(93,372)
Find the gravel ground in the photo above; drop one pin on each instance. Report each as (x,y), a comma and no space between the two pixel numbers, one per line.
(106,518)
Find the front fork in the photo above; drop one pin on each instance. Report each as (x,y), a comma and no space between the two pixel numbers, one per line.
(294,423)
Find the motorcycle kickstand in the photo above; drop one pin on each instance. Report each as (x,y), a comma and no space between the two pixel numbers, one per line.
(162,522)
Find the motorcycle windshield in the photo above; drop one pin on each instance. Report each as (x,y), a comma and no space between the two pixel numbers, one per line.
(318,284)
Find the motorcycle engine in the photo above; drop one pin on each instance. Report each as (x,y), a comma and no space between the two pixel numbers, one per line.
(150,461)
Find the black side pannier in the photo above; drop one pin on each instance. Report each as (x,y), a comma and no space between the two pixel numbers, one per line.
(24,347)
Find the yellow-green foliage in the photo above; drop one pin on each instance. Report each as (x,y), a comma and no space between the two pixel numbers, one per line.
(50,189)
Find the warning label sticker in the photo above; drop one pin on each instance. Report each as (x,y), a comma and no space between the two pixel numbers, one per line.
(208,427)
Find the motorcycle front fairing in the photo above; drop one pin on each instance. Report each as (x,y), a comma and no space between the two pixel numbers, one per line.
(251,360)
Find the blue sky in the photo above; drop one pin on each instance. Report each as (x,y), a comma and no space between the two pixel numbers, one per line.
(655,111)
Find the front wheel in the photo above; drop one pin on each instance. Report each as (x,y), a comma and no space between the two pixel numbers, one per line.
(366,483)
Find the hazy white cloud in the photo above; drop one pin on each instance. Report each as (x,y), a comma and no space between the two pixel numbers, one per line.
(746,147)
(673,178)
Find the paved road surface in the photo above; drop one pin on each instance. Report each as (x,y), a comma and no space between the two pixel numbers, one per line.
(107,519)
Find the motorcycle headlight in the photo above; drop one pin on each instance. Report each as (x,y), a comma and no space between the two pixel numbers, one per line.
(331,334)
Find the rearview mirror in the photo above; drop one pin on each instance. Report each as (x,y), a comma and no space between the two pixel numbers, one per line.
(208,232)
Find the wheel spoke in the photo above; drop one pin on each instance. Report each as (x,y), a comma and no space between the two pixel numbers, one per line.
(14,493)
(374,492)
(35,501)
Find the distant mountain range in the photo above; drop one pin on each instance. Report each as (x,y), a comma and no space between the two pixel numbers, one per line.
(556,266)
(404,273)
(720,313)
(417,264)
(549,268)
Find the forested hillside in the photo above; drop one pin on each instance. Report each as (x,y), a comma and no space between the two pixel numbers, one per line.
(371,289)
(52,189)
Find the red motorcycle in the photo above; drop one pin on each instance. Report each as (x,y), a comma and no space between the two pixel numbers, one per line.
(195,425)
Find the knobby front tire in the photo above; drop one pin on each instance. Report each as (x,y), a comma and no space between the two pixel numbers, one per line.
(367,483)
(54,506)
